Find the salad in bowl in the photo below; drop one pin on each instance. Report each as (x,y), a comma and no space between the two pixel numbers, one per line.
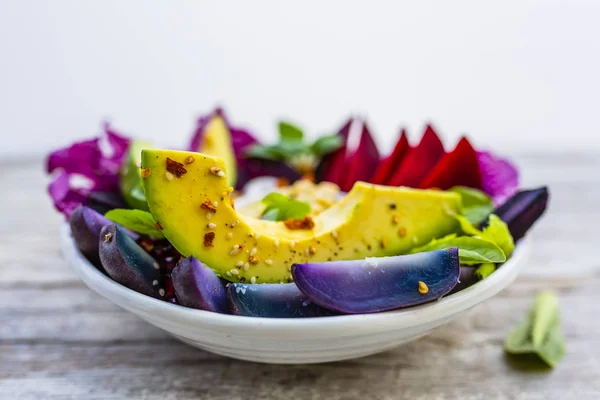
(295,229)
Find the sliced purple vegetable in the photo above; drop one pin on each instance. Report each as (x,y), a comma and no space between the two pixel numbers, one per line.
(499,177)
(255,167)
(127,263)
(522,210)
(379,284)
(105,201)
(197,286)
(84,167)
(277,300)
(467,278)
(86,225)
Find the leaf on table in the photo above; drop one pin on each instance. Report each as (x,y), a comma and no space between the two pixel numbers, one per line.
(540,333)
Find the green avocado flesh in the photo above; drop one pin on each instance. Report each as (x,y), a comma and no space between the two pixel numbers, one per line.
(217,142)
(130,179)
(195,211)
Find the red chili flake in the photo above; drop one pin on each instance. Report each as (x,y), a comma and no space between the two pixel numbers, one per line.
(304,223)
(232,202)
(208,205)
(176,168)
(253,259)
(146,244)
(159,226)
(309,177)
(208,239)
(282,182)
(402,232)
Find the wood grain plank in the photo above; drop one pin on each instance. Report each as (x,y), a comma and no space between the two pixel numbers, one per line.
(58,339)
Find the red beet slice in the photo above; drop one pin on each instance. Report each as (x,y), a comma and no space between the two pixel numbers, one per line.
(459,167)
(362,163)
(419,160)
(331,167)
(385,170)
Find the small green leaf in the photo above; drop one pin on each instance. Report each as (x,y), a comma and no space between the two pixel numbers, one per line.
(289,132)
(326,144)
(135,220)
(540,333)
(270,214)
(471,250)
(274,198)
(497,232)
(484,270)
(263,152)
(476,205)
(281,208)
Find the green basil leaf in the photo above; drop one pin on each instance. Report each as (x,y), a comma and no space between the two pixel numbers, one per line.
(540,333)
(274,198)
(281,208)
(326,144)
(476,205)
(270,214)
(289,132)
(135,220)
(497,232)
(484,270)
(263,152)
(470,250)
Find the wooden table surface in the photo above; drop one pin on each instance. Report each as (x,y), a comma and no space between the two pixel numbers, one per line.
(58,339)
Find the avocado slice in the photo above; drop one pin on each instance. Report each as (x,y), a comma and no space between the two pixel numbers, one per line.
(130,177)
(216,141)
(188,195)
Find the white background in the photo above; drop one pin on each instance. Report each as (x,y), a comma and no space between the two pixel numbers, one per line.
(515,75)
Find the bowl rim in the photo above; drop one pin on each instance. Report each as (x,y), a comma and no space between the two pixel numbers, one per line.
(444,307)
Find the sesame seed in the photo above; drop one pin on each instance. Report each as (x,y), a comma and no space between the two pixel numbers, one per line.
(257,235)
(215,170)
(221,174)
(236,246)
(169,176)
(233,252)
(155,265)
(228,273)
(229,235)
(138,164)
(306,251)
(253,279)
(189,159)
(154,282)
(215,203)
(334,234)
(208,215)
(161,291)
(239,263)
(268,261)
(234,223)
(234,272)
(276,243)
(211,226)
(246,266)
(253,251)
(292,244)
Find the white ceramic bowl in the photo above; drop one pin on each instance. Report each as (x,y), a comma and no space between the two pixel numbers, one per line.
(299,340)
